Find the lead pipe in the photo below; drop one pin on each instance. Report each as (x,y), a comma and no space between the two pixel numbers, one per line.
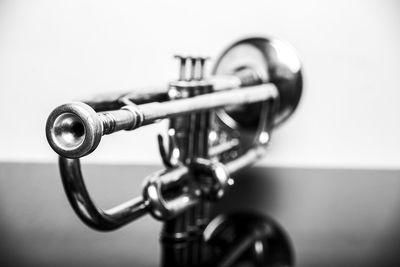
(74,130)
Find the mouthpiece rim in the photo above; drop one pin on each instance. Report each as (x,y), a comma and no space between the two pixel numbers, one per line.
(92,130)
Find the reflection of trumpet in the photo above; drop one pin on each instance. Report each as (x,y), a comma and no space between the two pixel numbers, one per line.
(218,125)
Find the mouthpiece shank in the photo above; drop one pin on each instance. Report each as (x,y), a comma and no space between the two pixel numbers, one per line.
(74,130)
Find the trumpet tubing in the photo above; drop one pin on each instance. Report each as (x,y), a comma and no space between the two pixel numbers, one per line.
(217,126)
(75,129)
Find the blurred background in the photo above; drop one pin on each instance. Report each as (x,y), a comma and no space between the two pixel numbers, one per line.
(332,174)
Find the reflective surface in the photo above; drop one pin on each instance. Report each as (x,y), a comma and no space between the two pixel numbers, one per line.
(74,129)
(69,131)
(273,61)
(335,217)
(84,207)
(248,239)
(195,175)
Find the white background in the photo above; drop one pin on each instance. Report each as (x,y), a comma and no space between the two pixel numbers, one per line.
(52,52)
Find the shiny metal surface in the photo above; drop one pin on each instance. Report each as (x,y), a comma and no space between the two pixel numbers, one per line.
(248,239)
(56,234)
(74,130)
(88,212)
(167,182)
(274,61)
(217,126)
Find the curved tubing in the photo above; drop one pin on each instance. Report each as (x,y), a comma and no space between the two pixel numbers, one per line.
(114,218)
(111,219)
(78,196)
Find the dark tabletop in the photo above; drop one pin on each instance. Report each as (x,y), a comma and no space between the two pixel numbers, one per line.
(335,217)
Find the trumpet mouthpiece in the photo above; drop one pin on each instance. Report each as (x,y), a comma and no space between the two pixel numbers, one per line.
(74,130)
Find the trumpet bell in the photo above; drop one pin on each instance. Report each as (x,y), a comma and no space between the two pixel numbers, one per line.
(273,61)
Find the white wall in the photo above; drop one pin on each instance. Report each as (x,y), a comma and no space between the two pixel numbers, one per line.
(55,51)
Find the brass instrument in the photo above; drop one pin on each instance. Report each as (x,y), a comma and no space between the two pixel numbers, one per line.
(217,125)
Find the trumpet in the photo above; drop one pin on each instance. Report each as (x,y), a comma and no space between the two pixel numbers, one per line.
(218,124)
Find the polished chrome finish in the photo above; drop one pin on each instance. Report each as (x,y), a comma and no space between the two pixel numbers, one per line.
(88,212)
(170,156)
(156,185)
(217,126)
(273,61)
(155,111)
(215,173)
(79,132)
(166,182)
(74,130)
(248,239)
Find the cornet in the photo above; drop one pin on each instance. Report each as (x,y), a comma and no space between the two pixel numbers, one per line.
(218,124)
